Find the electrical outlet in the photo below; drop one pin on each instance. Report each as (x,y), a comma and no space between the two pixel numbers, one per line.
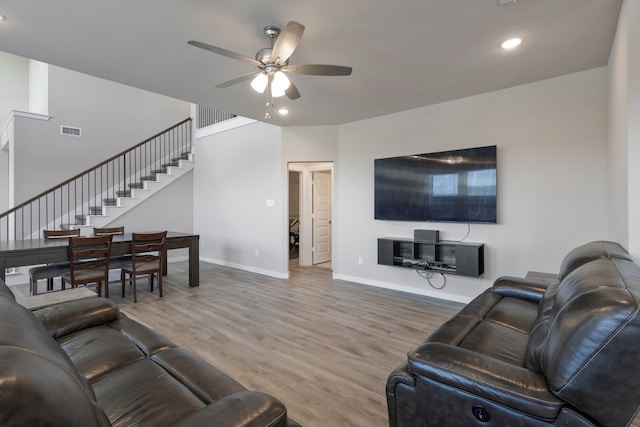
(256,253)
(360,260)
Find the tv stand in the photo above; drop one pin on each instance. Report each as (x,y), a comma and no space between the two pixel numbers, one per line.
(449,257)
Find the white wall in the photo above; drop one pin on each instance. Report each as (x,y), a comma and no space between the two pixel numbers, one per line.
(552,179)
(237,174)
(633,49)
(552,183)
(169,209)
(624,130)
(14,85)
(618,219)
(112,117)
(305,149)
(14,89)
(38,87)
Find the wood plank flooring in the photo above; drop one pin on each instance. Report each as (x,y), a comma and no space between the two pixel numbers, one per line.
(323,347)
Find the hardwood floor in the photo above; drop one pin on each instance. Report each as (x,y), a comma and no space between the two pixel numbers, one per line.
(323,347)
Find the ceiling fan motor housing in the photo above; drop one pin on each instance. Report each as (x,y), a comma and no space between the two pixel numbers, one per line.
(264,55)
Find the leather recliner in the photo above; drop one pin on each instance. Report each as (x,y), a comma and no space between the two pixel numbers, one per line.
(532,353)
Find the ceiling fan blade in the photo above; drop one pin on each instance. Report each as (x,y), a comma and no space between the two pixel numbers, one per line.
(318,69)
(239,79)
(292,91)
(287,42)
(223,52)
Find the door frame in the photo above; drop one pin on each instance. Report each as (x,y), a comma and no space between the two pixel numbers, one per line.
(306,170)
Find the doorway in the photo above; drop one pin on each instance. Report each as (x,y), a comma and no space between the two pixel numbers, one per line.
(310,213)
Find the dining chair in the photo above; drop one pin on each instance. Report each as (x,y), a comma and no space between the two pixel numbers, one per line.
(115,263)
(148,255)
(89,262)
(105,231)
(52,270)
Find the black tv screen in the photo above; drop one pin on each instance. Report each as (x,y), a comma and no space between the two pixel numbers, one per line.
(449,186)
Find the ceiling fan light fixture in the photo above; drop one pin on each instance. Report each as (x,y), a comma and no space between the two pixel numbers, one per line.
(279,84)
(276,91)
(259,82)
(511,43)
(281,80)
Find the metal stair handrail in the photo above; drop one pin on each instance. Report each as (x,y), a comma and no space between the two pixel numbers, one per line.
(88,192)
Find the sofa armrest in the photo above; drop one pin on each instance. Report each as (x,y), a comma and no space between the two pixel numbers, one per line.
(488,378)
(65,318)
(245,408)
(519,287)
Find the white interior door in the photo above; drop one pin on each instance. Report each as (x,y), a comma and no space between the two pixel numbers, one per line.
(321,217)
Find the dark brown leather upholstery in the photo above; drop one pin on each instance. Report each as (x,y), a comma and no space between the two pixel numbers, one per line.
(83,363)
(530,353)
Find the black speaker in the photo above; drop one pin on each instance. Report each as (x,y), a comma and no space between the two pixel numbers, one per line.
(426,236)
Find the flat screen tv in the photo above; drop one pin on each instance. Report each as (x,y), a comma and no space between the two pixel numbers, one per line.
(449,186)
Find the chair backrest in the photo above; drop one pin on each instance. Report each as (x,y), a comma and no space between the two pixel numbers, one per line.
(89,258)
(147,248)
(60,234)
(105,231)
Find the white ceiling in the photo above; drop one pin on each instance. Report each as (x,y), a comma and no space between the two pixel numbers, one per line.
(404,54)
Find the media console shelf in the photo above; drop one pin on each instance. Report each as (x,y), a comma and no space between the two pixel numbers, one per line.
(460,258)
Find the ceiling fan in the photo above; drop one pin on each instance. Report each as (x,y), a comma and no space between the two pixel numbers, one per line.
(273,63)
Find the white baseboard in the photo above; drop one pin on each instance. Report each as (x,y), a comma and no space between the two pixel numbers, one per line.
(248,268)
(411,290)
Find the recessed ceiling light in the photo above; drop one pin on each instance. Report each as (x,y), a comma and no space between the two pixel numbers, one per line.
(283,111)
(2,17)
(511,43)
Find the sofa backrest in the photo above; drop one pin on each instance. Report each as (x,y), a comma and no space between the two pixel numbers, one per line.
(39,384)
(600,249)
(588,347)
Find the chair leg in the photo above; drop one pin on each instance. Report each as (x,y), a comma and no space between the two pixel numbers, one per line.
(135,293)
(151,281)
(122,275)
(160,283)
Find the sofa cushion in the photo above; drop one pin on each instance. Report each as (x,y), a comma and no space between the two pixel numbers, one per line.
(100,350)
(143,393)
(202,379)
(491,324)
(39,384)
(594,338)
(576,258)
(591,251)
(540,329)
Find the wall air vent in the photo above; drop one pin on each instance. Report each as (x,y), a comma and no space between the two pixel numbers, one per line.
(71,131)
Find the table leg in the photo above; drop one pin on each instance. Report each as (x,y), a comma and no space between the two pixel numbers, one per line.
(194,263)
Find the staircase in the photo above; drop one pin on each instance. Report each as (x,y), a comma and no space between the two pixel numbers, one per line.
(101,194)
(138,192)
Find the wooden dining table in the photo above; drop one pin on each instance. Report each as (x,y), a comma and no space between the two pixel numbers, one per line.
(20,253)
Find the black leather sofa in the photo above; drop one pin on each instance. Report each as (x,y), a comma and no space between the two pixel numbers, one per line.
(533,353)
(83,363)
